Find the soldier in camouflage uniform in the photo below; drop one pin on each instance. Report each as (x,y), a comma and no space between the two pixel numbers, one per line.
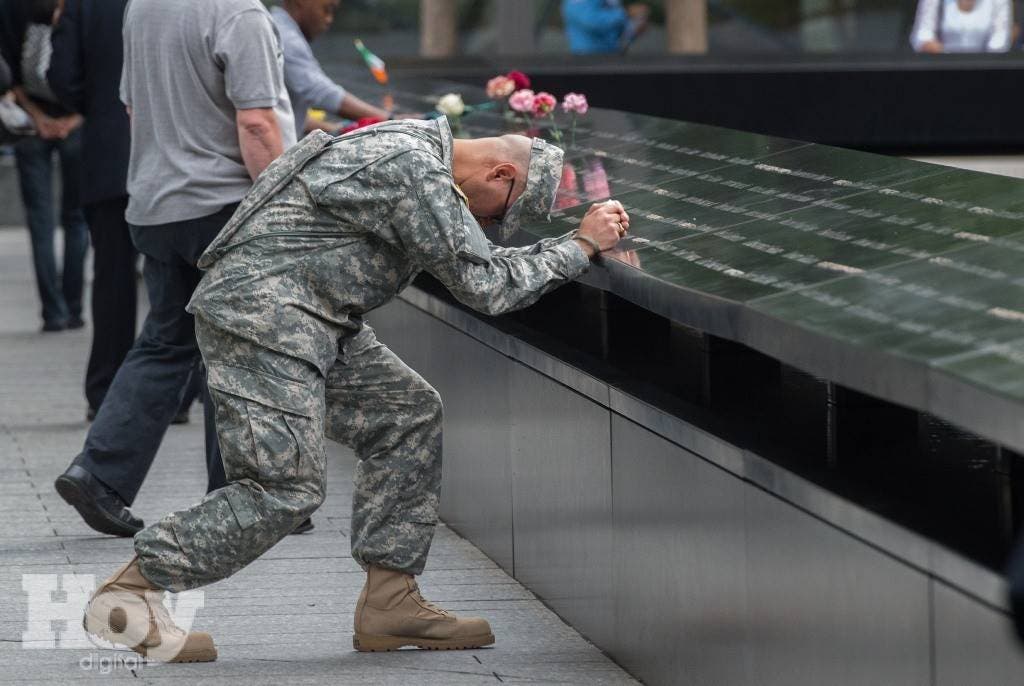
(333,229)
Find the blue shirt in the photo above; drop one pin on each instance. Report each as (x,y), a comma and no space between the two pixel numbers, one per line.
(594,26)
(308,85)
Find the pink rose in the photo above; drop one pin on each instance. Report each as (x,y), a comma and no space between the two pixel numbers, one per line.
(544,103)
(522,100)
(520,79)
(500,87)
(575,103)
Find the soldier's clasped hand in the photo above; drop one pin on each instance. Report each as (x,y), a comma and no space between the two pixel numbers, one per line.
(603,226)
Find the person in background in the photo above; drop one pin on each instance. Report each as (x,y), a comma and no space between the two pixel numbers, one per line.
(204,86)
(85,70)
(14,121)
(963,26)
(299,22)
(602,26)
(25,46)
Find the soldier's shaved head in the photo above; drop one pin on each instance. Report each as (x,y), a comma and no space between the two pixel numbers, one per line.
(508,149)
(511,148)
(492,172)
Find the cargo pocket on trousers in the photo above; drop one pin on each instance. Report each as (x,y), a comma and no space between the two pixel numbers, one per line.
(203,533)
(277,448)
(310,460)
(235,435)
(243,505)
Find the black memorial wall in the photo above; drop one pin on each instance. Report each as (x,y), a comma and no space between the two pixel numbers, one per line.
(855,317)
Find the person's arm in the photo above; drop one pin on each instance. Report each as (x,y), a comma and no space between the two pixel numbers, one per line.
(925,35)
(594,16)
(65,75)
(46,126)
(312,125)
(441,237)
(246,45)
(531,249)
(259,136)
(304,75)
(354,108)
(1002,26)
(307,79)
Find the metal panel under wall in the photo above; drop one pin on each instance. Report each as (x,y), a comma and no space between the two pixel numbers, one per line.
(679,563)
(824,608)
(561,499)
(406,330)
(973,644)
(683,572)
(476,491)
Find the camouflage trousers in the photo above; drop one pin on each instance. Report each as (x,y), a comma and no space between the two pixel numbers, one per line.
(273,412)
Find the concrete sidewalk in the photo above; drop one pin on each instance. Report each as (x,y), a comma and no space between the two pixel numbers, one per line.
(287,618)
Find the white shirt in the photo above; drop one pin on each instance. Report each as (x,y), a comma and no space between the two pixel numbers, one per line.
(986,28)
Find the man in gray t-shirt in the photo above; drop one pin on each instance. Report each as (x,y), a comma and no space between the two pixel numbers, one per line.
(204,85)
(192,69)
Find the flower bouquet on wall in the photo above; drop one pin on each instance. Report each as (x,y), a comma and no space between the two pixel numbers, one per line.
(498,91)
(502,86)
(537,107)
(511,94)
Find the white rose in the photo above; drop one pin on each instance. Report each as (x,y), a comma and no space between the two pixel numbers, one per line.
(451,105)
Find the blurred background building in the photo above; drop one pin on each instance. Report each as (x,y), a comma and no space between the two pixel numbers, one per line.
(734,27)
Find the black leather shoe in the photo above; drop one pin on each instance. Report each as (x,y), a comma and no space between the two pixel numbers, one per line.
(100,506)
(306,525)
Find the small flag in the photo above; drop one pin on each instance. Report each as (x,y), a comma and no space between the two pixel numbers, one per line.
(375,63)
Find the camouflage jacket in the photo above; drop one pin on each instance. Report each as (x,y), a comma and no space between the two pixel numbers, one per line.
(336,227)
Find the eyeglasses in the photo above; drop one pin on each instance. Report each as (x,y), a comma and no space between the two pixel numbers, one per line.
(498,218)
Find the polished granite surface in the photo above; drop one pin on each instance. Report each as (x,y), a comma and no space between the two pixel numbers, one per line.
(828,259)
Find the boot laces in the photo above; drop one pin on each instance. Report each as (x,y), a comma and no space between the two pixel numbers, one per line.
(418,596)
(161,617)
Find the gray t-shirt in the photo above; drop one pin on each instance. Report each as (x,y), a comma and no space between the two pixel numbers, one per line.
(188,66)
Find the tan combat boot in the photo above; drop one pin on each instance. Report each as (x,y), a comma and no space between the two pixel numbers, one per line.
(128,610)
(391,613)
